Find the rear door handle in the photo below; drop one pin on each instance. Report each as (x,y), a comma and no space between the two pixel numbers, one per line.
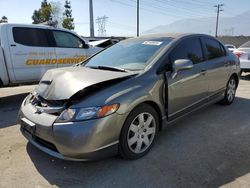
(226,64)
(12,45)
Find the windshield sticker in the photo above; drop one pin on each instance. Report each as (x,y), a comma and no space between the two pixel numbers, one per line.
(153,43)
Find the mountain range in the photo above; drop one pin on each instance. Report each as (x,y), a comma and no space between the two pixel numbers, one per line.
(235,25)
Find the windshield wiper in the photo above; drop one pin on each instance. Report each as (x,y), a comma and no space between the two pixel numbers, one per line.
(108,68)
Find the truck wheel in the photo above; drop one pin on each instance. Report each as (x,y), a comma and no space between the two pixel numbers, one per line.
(230,91)
(1,83)
(139,132)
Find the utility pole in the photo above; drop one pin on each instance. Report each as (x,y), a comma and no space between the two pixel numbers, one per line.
(138,19)
(218,7)
(91,19)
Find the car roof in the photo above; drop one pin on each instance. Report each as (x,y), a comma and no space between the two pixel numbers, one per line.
(172,35)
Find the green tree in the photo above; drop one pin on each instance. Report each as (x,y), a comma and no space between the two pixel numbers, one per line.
(68,21)
(43,14)
(4,19)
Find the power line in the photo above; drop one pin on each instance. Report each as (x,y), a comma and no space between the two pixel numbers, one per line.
(218,7)
(145,9)
(186,7)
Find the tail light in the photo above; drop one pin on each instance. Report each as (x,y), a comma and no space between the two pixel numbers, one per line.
(238,53)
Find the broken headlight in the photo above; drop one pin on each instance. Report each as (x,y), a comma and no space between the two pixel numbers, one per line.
(80,114)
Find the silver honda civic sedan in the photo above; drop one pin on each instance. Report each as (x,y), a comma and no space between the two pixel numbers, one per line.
(118,100)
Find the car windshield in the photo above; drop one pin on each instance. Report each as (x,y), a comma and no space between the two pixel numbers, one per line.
(245,45)
(132,54)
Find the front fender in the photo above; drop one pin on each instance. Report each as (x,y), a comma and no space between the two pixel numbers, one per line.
(152,91)
(129,94)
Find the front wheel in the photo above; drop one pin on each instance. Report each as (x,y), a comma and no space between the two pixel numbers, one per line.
(139,132)
(230,91)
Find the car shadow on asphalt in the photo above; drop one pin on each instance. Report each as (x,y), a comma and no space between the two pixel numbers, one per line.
(9,107)
(208,148)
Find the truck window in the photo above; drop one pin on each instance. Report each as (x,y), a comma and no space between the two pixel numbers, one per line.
(67,40)
(30,36)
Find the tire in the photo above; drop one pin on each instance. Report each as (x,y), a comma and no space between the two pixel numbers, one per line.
(139,132)
(229,95)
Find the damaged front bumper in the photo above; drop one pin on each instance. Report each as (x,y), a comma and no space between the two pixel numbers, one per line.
(78,141)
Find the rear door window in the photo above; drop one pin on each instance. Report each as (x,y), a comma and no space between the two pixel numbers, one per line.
(213,49)
(30,36)
(67,40)
(188,49)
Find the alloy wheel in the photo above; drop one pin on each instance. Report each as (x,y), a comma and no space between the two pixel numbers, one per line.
(231,89)
(141,132)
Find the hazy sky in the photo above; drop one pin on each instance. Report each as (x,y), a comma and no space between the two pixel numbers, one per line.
(122,13)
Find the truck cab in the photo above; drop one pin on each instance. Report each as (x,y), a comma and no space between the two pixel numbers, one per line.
(28,51)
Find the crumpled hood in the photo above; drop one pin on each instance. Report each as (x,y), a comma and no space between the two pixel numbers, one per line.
(61,84)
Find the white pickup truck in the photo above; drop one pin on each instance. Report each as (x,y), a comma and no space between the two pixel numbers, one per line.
(28,51)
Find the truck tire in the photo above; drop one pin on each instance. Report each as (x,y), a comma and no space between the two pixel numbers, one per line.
(1,83)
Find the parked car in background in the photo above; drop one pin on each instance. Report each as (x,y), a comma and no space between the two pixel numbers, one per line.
(105,43)
(243,52)
(28,51)
(119,99)
(230,47)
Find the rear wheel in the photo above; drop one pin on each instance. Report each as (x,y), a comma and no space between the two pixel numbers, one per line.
(230,91)
(139,132)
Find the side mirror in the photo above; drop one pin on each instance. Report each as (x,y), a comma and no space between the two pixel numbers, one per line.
(86,46)
(181,64)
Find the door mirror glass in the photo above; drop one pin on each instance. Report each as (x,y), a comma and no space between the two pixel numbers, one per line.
(182,64)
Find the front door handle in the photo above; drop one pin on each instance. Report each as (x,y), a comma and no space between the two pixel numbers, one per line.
(226,64)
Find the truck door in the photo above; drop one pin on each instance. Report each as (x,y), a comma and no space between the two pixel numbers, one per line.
(70,49)
(31,53)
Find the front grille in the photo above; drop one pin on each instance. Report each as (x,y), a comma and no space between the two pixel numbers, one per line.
(39,140)
(41,102)
(53,107)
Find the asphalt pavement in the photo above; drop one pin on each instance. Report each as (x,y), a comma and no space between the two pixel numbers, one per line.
(208,148)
